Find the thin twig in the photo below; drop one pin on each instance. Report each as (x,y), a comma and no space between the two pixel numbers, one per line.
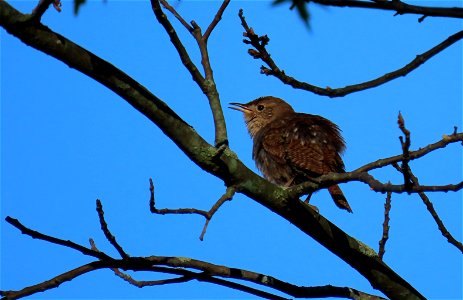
(405,152)
(216,20)
(360,174)
(206,83)
(107,233)
(228,195)
(165,211)
(37,235)
(143,283)
(422,151)
(176,15)
(385,236)
(432,211)
(185,58)
(261,52)
(401,8)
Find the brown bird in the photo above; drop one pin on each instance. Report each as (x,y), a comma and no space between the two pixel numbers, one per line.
(290,148)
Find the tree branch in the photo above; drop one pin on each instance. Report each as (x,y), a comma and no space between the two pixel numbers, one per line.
(53,282)
(216,20)
(260,52)
(184,57)
(228,195)
(405,153)
(385,236)
(221,163)
(37,235)
(104,227)
(432,211)
(361,174)
(206,84)
(401,8)
(179,266)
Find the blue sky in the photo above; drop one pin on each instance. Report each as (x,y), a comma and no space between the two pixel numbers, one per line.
(66,141)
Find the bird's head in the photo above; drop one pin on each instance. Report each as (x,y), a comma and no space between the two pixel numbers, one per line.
(262,111)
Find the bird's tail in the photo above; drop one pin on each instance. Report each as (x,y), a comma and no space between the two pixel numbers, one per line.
(338,197)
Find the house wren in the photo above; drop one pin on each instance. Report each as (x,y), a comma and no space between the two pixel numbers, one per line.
(289,147)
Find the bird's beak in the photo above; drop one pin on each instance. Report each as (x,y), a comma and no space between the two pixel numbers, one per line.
(240,107)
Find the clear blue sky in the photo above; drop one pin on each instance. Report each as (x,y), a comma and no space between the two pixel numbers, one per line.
(66,141)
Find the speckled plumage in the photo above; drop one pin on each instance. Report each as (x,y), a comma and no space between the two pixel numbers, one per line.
(290,148)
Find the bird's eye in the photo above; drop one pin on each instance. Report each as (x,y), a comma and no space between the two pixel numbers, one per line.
(260,107)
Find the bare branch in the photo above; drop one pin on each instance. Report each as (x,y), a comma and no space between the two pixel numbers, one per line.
(179,266)
(165,211)
(216,20)
(206,83)
(53,282)
(143,283)
(37,235)
(401,8)
(107,233)
(446,140)
(260,52)
(385,236)
(230,192)
(228,195)
(176,15)
(185,58)
(406,152)
(433,212)
(360,174)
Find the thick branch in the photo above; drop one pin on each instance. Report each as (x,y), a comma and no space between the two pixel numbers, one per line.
(222,164)
(260,52)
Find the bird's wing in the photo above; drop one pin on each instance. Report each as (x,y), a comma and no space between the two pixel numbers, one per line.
(309,144)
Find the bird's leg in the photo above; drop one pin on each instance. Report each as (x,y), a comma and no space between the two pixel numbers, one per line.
(289,182)
(308,197)
(306,201)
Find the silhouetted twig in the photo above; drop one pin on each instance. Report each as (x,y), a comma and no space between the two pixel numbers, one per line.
(405,152)
(107,233)
(433,212)
(385,236)
(400,7)
(206,83)
(361,174)
(177,266)
(260,52)
(228,195)
(66,243)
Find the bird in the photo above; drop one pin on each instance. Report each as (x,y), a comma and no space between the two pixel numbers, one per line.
(290,147)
